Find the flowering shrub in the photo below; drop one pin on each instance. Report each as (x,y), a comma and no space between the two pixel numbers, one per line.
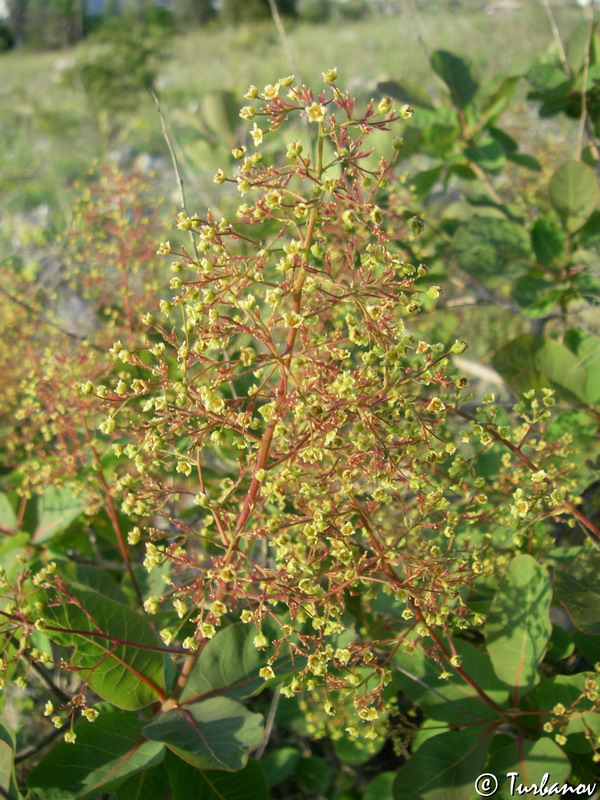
(302,496)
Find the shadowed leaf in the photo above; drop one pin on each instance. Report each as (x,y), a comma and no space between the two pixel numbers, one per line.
(104,753)
(578,588)
(456,74)
(443,768)
(187,782)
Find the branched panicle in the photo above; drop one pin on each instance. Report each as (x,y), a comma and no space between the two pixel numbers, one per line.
(274,442)
(284,403)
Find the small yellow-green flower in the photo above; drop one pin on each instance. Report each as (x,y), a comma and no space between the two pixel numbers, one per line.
(315,112)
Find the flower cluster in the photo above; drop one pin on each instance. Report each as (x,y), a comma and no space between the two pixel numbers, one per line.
(284,435)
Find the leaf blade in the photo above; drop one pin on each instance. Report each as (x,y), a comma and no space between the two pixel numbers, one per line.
(104,754)
(217,733)
(518,626)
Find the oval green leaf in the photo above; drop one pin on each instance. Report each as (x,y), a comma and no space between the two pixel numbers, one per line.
(518,626)
(188,782)
(451,700)
(407,91)
(494,251)
(531,760)
(578,587)
(583,719)
(57,509)
(103,755)
(443,768)
(456,74)
(215,734)
(230,663)
(113,647)
(548,241)
(574,193)
(533,362)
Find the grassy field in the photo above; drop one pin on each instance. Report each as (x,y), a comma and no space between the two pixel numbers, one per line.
(51,136)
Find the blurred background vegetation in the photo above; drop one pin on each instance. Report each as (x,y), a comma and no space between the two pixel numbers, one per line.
(75,77)
(65,103)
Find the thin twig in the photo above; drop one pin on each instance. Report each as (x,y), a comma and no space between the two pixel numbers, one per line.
(27,752)
(285,42)
(47,678)
(437,692)
(47,321)
(176,170)
(586,69)
(420,38)
(270,721)
(556,34)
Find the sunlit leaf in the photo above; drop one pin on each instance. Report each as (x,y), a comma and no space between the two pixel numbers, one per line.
(112,647)
(217,733)
(518,625)
(574,193)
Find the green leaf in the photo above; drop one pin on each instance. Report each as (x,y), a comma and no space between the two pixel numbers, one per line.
(214,734)
(380,788)
(576,46)
(8,518)
(495,251)
(97,579)
(570,691)
(545,77)
(439,137)
(188,782)
(443,768)
(561,645)
(531,760)
(588,646)
(518,625)
(7,758)
(104,753)
(548,241)
(525,160)
(10,549)
(456,74)
(280,764)
(589,235)
(407,91)
(220,114)
(229,665)
(533,362)
(587,350)
(57,508)
(451,700)
(428,729)
(502,137)
(423,182)
(127,675)
(495,95)
(489,155)
(574,193)
(578,589)
(536,295)
(313,776)
(151,784)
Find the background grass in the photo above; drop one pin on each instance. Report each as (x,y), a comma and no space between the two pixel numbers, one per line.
(51,136)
